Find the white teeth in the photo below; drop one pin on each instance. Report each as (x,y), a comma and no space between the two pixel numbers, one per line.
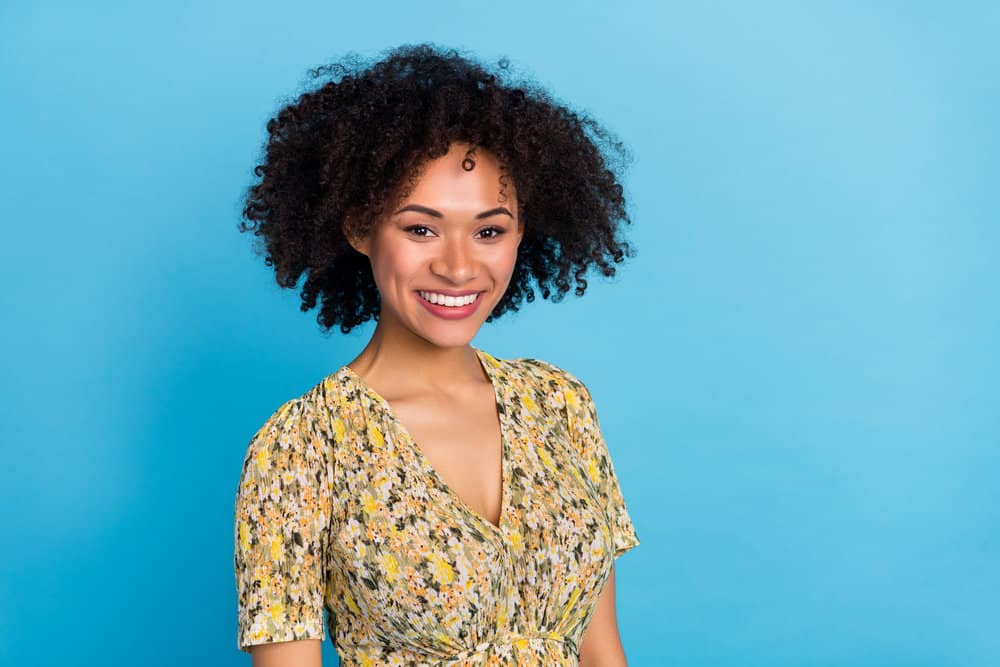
(453,301)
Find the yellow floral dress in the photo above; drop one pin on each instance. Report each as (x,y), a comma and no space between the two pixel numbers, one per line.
(337,510)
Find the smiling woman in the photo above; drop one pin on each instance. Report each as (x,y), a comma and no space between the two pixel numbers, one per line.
(428,502)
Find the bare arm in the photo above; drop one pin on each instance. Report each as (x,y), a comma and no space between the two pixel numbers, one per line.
(299,653)
(601,645)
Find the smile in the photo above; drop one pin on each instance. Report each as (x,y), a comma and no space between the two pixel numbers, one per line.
(449,301)
(449,307)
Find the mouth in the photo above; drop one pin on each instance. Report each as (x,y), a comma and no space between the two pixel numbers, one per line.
(448,301)
(449,307)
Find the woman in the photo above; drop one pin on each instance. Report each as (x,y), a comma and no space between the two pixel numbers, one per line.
(443,506)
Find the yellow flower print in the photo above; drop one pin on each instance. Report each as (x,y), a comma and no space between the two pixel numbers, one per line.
(572,398)
(263,460)
(571,603)
(339,429)
(277,550)
(351,604)
(443,573)
(276,610)
(516,543)
(547,461)
(244,535)
(390,567)
(593,470)
(368,502)
(258,634)
(375,436)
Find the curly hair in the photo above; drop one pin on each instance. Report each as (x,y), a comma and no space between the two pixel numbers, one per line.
(342,153)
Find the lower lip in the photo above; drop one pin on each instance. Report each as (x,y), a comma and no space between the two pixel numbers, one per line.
(450,312)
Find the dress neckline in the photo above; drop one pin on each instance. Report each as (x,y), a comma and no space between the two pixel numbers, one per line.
(490,366)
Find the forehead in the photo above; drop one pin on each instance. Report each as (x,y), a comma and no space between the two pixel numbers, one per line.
(444,183)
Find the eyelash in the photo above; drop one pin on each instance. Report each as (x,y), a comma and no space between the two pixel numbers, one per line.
(499,230)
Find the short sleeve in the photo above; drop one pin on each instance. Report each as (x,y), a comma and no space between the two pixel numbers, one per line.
(283,510)
(585,430)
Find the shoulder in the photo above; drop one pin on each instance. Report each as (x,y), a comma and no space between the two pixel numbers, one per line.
(281,419)
(298,427)
(571,394)
(306,407)
(314,408)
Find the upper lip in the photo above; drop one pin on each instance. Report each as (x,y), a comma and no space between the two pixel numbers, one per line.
(453,292)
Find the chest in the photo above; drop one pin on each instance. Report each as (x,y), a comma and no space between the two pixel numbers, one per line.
(461,439)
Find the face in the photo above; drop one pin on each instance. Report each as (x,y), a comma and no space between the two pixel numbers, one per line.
(450,241)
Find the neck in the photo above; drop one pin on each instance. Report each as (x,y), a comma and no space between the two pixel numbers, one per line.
(406,363)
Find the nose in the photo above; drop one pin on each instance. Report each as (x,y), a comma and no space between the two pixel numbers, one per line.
(456,262)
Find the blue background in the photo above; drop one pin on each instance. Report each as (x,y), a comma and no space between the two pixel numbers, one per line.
(797,376)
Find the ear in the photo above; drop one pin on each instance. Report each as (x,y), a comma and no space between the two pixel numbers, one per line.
(357,241)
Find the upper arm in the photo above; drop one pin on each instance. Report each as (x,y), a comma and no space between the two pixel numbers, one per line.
(282,514)
(601,644)
(300,653)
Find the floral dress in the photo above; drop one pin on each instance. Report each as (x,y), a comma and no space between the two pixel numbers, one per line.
(338,511)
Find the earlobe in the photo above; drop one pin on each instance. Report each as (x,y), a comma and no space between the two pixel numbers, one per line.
(359,243)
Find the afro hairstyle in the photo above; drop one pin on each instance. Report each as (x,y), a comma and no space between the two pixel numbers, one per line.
(351,146)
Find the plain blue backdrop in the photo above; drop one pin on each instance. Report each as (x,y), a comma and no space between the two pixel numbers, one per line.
(797,376)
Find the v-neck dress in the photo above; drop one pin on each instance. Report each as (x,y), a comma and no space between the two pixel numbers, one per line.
(339,512)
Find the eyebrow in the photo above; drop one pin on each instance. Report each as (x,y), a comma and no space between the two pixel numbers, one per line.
(437,214)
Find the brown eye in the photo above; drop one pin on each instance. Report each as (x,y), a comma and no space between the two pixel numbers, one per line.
(413,228)
(498,232)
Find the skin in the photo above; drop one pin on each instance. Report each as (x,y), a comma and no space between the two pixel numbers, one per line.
(424,366)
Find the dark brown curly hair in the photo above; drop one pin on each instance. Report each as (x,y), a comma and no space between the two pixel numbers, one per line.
(343,153)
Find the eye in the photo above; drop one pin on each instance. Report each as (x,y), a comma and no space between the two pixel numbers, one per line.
(499,231)
(414,228)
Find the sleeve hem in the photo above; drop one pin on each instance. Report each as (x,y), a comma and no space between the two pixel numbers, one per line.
(310,630)
(624,544)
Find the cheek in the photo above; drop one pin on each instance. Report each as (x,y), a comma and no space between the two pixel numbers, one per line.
(503,262)
(393,264)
